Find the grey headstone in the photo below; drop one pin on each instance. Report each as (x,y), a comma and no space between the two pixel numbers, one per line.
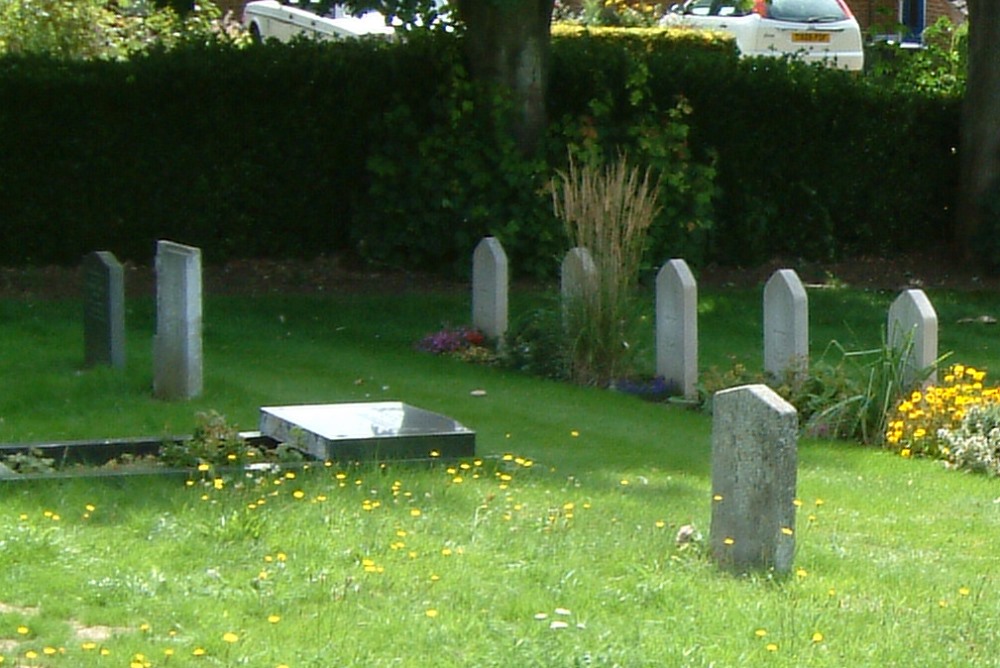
(578,276)
(786,325)
(103,310)
(489,288)
(913,322)
(177,346)
(677,327)
(754,460)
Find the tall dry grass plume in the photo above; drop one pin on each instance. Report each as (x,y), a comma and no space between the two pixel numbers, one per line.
(607,210)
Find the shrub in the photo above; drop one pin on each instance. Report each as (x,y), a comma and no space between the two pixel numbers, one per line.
(975,444)
(920,423)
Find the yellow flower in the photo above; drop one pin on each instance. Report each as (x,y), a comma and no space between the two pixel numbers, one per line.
(198,651)
(23,630)
(431,612)
(817,637)
(230,637)
(273,619)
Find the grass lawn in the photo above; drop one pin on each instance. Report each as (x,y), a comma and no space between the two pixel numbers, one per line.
(562,554)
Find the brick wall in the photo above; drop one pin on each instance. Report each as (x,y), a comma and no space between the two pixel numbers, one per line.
(882,12)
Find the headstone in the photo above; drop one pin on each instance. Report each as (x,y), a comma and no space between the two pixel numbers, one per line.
(677,327)
(754,459)
(913,325)
(368,431)
(786,325)
(578,276)
(177,348)
(489,288)
(103,310)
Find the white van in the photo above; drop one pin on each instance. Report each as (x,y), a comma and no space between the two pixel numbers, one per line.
(283,21)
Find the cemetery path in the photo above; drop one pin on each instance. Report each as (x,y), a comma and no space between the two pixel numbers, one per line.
(324,275)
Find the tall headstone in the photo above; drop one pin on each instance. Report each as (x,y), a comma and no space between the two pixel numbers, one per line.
(578,276)
(786,325)
(913,329)
(754,460)
(677,327)
(103,310)
(177,347)
(489,288)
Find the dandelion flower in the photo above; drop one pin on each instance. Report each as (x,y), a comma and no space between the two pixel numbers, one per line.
(728,541)
(273,619)
(431,612)
(230,637)
(817,637)
(772,647)
(964,591)
(198,651)
(760,633)
(23,630)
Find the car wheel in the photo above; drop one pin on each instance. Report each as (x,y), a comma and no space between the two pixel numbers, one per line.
(255,35)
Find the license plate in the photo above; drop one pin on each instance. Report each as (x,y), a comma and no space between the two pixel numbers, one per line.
(811,37)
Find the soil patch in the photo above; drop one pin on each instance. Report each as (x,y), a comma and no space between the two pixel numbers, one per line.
(333,276)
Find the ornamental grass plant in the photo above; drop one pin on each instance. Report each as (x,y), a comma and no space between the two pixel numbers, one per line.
(606,210)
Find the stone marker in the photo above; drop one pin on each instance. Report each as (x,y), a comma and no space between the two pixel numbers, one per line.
(103,310)
(177,348)
(578,276)
(489,288)
(677,327)
(368,431)
(754,459)
(913,322)
(786,325)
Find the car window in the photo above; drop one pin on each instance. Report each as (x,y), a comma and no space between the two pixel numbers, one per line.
(699,7)
(808,11)
(717,8)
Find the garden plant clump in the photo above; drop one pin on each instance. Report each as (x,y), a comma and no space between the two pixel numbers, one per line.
(956,421)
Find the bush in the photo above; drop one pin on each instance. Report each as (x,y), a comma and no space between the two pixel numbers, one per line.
(388,150)
(926,422)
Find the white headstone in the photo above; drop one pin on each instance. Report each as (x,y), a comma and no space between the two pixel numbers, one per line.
(578,276)
(786,325)
(177,347)
(677,327)
(913,324)
(754,461)
(103,310)
(489,288)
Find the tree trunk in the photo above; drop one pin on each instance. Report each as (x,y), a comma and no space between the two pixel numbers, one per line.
(980,148)
(507,42)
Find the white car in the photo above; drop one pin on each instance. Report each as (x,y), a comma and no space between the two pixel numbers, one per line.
(283,21)
(814,30)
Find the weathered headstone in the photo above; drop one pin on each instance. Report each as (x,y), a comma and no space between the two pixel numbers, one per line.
(578,275)
(677,327)
(786,325)
(177,347)
(489,288)
(103,310)
(913,329)
(754,460)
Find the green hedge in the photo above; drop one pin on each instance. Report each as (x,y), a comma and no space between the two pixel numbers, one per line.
(389,151)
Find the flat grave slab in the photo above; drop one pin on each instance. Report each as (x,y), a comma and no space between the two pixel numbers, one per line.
(367,431)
